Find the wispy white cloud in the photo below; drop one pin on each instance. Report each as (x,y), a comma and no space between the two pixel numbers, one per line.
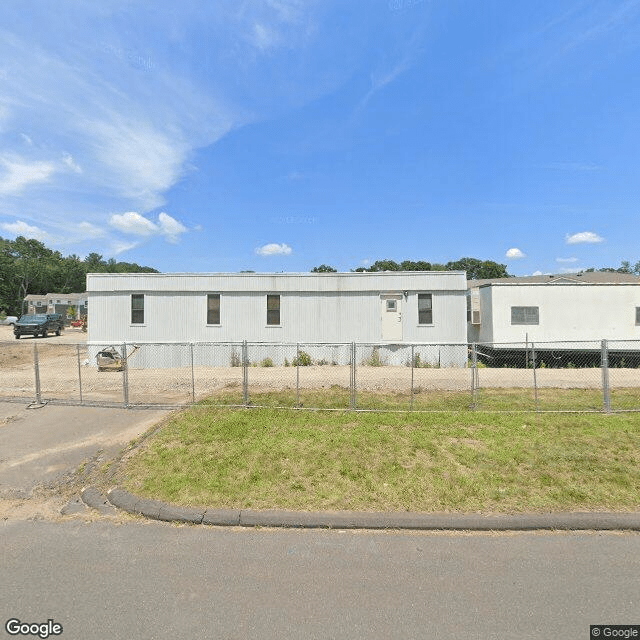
(581,28)
(584,237)
(139,162)
(116,248)
(264,37)
(387,73)
(567,260)
(68,161)
(16,174)
(136,224)
(170,228)
(88,230)
(20,228)
(515,254)
(274,249)
(569,270)
(132,222)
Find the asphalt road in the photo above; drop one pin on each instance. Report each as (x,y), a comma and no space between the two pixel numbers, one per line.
(39,446)
(153,580)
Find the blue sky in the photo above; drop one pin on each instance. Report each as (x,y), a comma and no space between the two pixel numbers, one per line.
(276,135)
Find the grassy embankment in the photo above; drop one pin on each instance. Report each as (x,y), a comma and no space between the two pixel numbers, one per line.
(449,461)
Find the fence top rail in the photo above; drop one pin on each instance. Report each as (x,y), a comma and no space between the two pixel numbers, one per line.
(280,344)
(558,344)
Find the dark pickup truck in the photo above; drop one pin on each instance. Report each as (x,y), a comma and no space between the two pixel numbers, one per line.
(39,324)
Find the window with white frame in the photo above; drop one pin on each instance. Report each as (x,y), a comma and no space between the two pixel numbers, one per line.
(273,309)
(525,315)
(213,308)
(425,308)
(137,308)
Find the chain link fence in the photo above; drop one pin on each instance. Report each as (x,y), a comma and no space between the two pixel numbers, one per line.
(560,376)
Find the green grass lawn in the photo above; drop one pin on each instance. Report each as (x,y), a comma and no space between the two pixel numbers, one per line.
(335,460)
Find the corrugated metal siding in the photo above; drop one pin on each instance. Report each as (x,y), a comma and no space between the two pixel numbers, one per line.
(283,282)
(311,317)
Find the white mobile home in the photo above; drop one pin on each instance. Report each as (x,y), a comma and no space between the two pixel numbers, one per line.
(566,310)
(383,308)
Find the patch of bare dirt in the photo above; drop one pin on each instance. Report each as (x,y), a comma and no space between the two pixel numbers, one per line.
(67,374)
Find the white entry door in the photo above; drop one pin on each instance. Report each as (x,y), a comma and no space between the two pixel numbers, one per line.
(391,316)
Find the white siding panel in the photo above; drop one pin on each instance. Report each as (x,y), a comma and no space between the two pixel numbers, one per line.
(567,312)
(265,282)
(342,314)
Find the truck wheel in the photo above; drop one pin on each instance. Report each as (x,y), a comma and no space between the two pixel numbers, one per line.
(58,331)
(17,336)
(45,333)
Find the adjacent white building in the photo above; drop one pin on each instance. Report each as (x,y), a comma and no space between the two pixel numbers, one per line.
(393,308)
(566,308)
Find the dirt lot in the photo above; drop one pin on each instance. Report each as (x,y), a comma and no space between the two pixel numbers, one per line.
(67,373)
(11,356)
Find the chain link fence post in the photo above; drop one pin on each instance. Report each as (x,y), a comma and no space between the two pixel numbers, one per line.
(297,374)
(125,375)
(193,377)
(353,375)
(606,391)
(36,368)
(245,373)
(474,376)
(79,371)
(535,378)
(413,362)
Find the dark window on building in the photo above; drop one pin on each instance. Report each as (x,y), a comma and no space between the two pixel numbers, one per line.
(525,315)
(137,308)
(213,308)
(273,309)
(637,315)
(425,310)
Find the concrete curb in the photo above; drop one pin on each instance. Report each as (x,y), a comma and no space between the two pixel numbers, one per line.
(158,510)
(94,499)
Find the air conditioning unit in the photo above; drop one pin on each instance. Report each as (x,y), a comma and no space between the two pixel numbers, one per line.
(474,299)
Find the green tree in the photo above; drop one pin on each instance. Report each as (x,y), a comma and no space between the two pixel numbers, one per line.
(478,269)
(324,268)
(475,268)
(27,266)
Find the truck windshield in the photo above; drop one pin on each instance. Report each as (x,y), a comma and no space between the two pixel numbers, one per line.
(38,318)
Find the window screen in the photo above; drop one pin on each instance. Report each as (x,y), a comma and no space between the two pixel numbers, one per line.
(273,309)
(392,305)
(525,315)
(213,308)
(137,308)
(425,312)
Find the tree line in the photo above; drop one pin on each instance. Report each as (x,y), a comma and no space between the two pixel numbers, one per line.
(27,266)
(476,269)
